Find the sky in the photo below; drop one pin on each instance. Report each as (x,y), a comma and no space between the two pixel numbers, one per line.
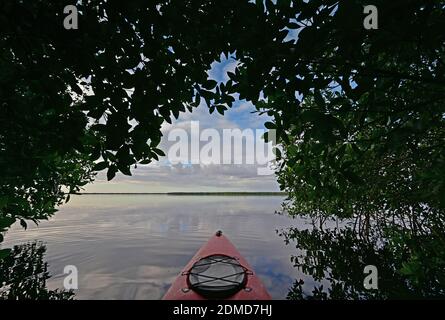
(194,174)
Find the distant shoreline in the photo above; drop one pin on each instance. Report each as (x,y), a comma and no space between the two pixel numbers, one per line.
(190,193)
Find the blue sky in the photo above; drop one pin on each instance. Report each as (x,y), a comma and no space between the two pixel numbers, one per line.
(162,176)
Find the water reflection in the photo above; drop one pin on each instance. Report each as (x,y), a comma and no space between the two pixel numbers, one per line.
(410,265)
(24,275)
(133,246)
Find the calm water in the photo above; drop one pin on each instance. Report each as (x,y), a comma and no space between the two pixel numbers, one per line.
(133,246)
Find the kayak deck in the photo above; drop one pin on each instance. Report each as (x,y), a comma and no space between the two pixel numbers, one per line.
(253,289)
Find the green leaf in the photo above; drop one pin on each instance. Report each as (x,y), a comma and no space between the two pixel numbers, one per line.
(4,253)
(111,173)
(313,116)
(221,109)
(209,84)
(100,166)
(283,3)
(3,202)
(277,152)
(270,125)
(260,5)
(6,222)
(352,177)
(319,99)
(159,152)
(269,5)
(124,169)
(231,75)
(23,224)
(292,25)
(197,100)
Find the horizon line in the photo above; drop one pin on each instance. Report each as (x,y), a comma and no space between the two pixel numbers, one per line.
(190,193)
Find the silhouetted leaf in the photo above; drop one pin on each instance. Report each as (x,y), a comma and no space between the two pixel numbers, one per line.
(100,166)
(23,224)
(111,173)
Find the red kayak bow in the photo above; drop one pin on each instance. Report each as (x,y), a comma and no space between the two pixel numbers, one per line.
(217,271)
